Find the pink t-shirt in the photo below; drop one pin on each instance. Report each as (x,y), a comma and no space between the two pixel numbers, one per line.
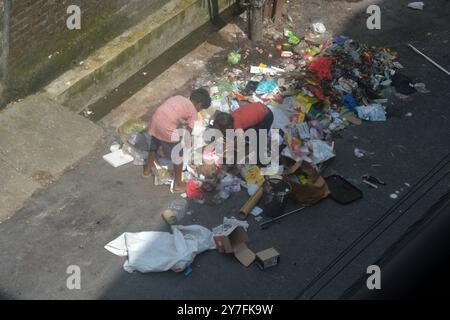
(170,115)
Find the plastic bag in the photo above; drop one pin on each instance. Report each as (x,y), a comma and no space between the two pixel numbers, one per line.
(194,191)
(221,196)
(179,207)
(141,141)
(265,87)
(230,183)
(140,157)
(416,5)
(234,57)
(132,126)
(164,172)
(293,39)
(321,150)
(373,112)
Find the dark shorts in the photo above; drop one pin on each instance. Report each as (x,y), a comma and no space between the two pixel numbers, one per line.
(266,123)
(167,147)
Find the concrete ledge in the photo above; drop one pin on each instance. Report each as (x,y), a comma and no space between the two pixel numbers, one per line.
(179,78)
(111,65)
(38,137)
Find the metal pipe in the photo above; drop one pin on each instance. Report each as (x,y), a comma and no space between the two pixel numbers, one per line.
(280,217)
(429,59)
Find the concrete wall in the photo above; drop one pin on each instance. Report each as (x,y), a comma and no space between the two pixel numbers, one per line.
(41,46)
(4,46)
(115,62)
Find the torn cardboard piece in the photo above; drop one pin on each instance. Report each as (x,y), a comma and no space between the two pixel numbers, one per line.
(234,241)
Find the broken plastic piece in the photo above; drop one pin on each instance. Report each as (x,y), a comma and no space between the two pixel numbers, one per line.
(118,158)
(416,5)
(188,272)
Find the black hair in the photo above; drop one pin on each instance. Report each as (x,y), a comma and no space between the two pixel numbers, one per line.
(201,96)
(223,121)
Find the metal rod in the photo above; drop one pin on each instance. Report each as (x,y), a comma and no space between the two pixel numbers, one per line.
(429,59)
(370,184)
(281,217)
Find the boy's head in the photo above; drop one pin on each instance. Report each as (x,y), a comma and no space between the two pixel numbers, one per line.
(223,121)
(201,99)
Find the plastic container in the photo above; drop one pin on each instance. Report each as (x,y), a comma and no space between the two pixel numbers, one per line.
(343,191)
(275,196)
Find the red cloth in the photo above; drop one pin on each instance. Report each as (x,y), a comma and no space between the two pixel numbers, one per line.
(322,68)
(316,91)
(193,191)
(249,115)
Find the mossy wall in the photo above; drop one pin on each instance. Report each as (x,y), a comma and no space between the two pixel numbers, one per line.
(41,46)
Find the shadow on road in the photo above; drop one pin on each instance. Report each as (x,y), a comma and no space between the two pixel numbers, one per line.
(307,242)
(399,26)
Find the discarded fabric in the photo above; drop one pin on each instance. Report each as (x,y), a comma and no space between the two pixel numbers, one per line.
(162,251)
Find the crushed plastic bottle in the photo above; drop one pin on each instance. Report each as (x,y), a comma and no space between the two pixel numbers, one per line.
(176,211)
(221,197)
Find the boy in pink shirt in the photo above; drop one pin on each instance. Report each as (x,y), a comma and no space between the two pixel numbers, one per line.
(175,113)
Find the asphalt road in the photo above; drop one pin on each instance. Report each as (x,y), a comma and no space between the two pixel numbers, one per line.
(70,222)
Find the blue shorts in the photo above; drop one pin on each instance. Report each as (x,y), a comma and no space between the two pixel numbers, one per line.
(167,147)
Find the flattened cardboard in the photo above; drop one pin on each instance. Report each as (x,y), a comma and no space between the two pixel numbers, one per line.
(244,254)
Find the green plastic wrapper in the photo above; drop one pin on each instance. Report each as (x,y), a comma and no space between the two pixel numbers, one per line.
(133,126)
(293,39)
(234,57)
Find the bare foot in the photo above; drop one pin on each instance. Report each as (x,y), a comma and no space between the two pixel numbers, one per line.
(147,173)
(179,188)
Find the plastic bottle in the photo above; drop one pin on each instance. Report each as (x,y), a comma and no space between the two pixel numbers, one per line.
(176,211)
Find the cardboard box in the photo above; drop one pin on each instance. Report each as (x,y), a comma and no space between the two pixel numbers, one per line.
(267,258)
(234,241)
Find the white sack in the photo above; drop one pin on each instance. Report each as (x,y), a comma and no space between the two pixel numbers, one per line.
(162,251)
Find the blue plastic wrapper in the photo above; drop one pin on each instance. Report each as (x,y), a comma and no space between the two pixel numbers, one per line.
(340,39)
(265,87)
(349,102)
(373,112)
(188,272)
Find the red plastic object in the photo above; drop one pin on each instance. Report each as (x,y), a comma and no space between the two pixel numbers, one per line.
(322,68)
(193,191)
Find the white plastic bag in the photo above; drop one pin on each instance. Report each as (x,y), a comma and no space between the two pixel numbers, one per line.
(321,151)
(416,5)
(374,112)
(162,251)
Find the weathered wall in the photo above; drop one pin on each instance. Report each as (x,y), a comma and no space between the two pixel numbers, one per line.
(4,47)
(41,46)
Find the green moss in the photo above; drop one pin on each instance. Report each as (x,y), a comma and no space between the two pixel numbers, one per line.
(38,70)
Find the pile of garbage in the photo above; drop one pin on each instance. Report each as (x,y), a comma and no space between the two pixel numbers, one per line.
(322,85)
